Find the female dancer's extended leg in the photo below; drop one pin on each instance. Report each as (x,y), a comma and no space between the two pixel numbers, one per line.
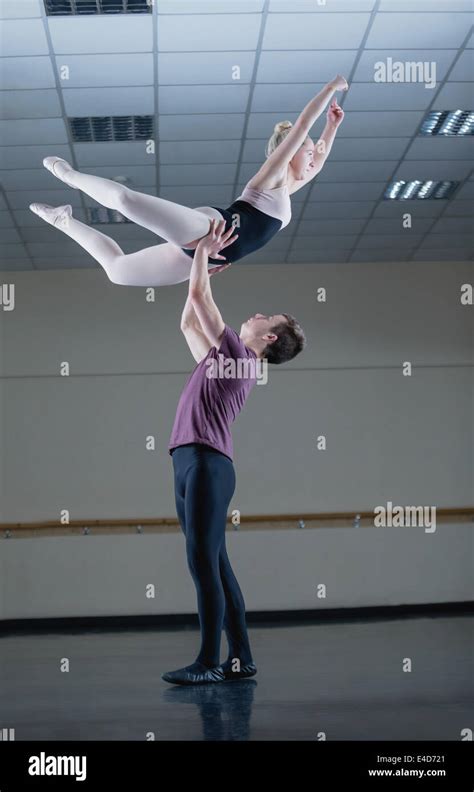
(158,265)
(174,222)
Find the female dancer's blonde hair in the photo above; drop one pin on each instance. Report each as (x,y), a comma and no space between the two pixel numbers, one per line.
(280,132)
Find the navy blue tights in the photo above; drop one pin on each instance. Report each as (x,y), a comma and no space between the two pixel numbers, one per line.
(204,485)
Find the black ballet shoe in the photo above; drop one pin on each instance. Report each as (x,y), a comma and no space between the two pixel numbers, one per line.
(195,674)
(248,670)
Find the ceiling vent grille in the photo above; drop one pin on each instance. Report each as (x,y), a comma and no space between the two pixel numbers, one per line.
(420,190)
(103,129)
(79,7)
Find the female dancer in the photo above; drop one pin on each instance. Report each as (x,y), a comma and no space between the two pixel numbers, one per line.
(261,210)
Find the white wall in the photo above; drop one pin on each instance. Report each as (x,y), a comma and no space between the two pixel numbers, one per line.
(280,570)
(78,443)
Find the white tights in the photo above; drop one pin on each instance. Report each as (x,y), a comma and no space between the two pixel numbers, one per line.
(158,265)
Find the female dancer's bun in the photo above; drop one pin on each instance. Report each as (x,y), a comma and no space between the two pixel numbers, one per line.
(280,132)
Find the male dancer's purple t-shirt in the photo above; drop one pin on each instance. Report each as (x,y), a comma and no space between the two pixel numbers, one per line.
(215,394)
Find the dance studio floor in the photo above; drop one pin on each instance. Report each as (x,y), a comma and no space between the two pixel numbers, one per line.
(341,679)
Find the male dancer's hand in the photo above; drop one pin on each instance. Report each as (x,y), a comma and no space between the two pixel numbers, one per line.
(217,239)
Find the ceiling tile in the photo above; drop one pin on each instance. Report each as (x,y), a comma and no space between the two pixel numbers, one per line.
(352,171)
(418,30)
(194,196)
(130,152)
(12,251)
(368,149)
(48,131)
(460,208)
(6,220)
(316,227)
(101,33)
(389,124)
(363,256)
(425,5)
(323,242)
(95,71)
(401,240)
(447,254)
(10,235)
(464,68)
(387,96)
(29,104)
(446,240)
(208,32)
(13,157)
(365,191)
(283,99)
(454,225)
(26,178)
(466,192)
(12,9)
(434,169)
(203,98)
(394,225)
(209,6)
(27,72)
(197,174)
(298,31)
(21,199)
(337,210)
(23,37)
(454,96)
(194,68)
(417,209)
(318,257)
(109,101)
(210,151)
(280,67)
(15,265)
(443,148)
(321,6)
(201,127)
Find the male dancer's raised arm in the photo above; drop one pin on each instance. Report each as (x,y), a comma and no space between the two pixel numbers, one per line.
(201,321)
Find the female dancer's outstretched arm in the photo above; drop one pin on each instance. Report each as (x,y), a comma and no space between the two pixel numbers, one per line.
(276,166)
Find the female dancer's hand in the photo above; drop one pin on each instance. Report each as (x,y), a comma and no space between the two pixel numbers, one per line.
(217,239)
(335,114)
(339,83)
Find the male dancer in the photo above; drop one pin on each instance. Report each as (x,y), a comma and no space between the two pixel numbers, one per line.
(201,449)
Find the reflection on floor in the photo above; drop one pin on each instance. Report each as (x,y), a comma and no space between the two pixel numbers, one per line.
(339,680)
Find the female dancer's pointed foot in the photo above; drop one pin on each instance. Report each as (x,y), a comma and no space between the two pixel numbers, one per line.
(57,216)
(60,168)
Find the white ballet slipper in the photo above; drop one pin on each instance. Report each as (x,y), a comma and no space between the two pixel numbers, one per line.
(57,216)
(59,168)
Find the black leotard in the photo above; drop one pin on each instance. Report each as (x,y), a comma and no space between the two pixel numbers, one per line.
(255,229)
